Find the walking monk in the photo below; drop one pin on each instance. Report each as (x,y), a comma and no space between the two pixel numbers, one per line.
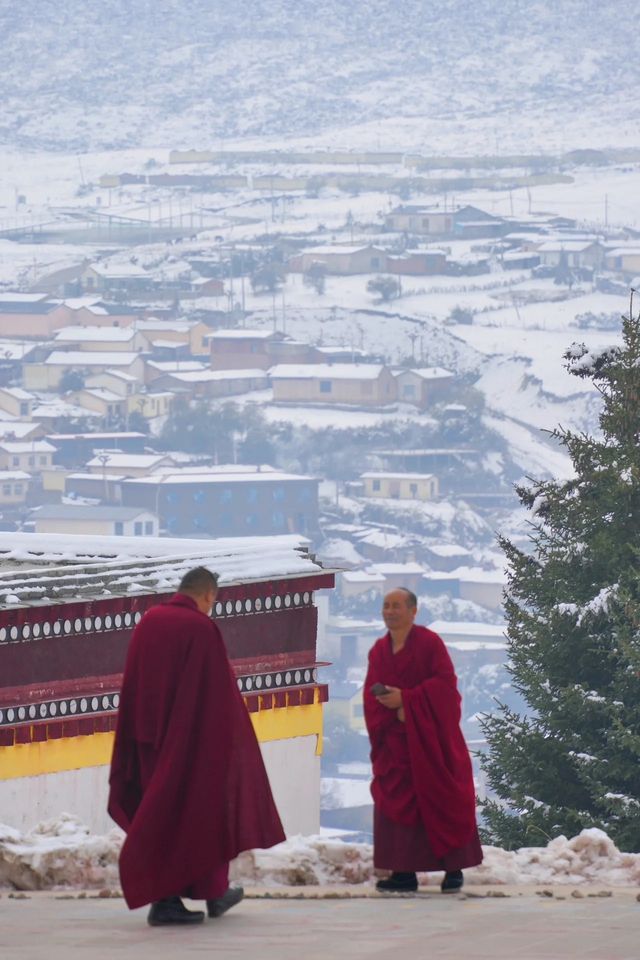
(423,792)
(187,783)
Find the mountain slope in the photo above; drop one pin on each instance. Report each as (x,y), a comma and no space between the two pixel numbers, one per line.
(133,71)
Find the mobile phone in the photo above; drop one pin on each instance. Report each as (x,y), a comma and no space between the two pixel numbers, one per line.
(379,689)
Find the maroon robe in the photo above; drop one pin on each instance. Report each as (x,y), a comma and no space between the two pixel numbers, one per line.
(187,782)
(422,787)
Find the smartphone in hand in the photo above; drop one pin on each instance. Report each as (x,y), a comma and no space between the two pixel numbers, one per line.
(379,690)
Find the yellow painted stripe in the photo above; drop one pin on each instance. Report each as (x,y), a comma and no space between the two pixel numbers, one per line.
(74,753)
(53,756)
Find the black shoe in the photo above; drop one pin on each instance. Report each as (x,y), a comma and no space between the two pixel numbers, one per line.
(172,910)
(398,883)
(452,882)
(229,898)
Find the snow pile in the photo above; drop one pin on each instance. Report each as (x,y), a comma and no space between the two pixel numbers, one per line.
(306,861)
(58,853)
(62,853)
(591,857)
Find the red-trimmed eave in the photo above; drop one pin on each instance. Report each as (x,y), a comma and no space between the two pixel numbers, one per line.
(36,732)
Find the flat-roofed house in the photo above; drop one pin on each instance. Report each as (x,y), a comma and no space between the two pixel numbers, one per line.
(32,315)
(423,386)
(33,456)
(341,260)
(624,260)
(234,349)
(214,383)
(400,486)
(94,520)
(102,339)
(418,263)
(581,253)
(355,384)
(14,487)
(228,501)
(47,374)
(16,402)
(420,220)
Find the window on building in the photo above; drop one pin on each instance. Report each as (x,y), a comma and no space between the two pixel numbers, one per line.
(138,527)
(148,528)
(252,495)
(118,528)
(24,409)
(409,391)
(279,494)
(252,520)
(277,519)
(226,495)
(6,489)
(32,461)
(425,223)
(43,461)
(325,386)
(413,489)
(376,485)
(17,489)
(375,263)
(15,461)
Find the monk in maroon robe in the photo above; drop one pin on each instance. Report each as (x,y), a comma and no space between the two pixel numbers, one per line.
(187,784)
(423,791)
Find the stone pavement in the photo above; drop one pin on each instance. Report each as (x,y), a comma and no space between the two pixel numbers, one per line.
(512,922)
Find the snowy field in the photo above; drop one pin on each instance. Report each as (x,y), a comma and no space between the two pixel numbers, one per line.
(61,853)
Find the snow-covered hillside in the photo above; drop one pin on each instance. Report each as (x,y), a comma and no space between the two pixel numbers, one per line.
(473,75)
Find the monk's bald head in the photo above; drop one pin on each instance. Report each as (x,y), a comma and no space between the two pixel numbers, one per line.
(399,609)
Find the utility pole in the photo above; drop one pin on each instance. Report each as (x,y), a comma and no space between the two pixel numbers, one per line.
(606,209)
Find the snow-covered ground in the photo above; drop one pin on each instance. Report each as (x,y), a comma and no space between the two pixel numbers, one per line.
(62,853)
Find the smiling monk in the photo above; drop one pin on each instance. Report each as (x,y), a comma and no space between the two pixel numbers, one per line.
(423,792)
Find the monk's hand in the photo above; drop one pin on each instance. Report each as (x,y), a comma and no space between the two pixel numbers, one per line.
(392,699)
(400,714)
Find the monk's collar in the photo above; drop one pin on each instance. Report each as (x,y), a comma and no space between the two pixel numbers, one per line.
(182,600)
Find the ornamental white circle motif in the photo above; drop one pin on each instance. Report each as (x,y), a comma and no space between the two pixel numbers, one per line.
(248,683)
(278,602)
(105,703)
(77,624)
(32,711)
(26,631)
(278,679)
(116,700)
(73,706)
(88,623)
(268,680)
(36,629)
(53,709)
(296,599)
(13,633)
(67,626)
(43,709)
(297,676)
(22,713)
(98,623)
(63,707)
(259,682)
(95,703)
(287,600)
(83,705)
(10,714)
(287,678)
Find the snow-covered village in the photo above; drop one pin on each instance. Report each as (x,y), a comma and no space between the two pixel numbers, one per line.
(324,327)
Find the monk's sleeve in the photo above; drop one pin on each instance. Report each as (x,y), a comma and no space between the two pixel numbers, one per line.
(378,719)
(440,761)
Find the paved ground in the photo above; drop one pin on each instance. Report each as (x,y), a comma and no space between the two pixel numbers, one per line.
(523,925)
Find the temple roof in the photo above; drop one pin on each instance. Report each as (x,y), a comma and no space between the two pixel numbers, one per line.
(50,568)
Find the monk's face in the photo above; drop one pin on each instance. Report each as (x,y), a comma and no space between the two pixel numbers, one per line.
(397,612)
(205,601)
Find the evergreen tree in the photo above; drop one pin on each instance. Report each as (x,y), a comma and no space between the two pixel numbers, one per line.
(573,623)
